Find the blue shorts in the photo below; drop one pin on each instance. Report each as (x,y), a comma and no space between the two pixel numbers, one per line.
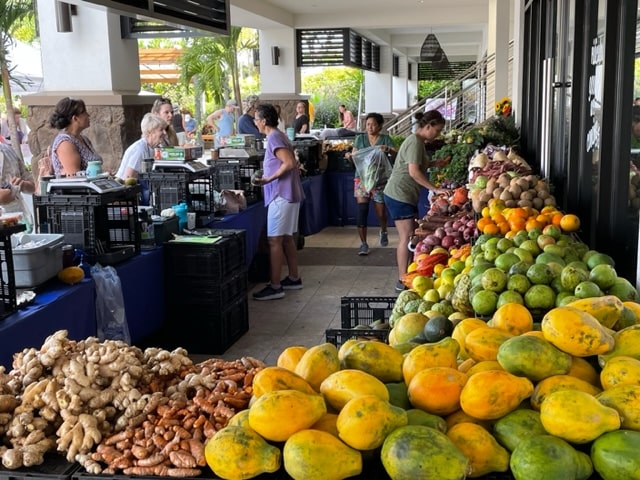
(400,210)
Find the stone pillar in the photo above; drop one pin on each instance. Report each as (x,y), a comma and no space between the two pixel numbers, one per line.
(94,63)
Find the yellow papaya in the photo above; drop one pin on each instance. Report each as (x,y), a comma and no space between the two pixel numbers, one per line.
(625,399)
(376,358)
(485,365)
(485,454)
(576,416)
(460,416)
(290,357)
(462,329)
(483,343)
(343,385)
(440,354)
(620,370)
(317,455)
(576,332)
(416,451)
(238,453)
(240,419)
(494,393)
(327,424)
(581,368)
(627,343)
(559,382)
(436,390)
(279,414)
(607,309)
(277,378)
(317,363)
(365,421)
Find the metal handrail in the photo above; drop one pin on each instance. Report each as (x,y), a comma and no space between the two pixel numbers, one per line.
(463,98)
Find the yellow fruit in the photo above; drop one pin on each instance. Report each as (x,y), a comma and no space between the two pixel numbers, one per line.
(270,379)
(71,275)
(483,450)
(290,357)
(340,387)
(131,181)
(317,363)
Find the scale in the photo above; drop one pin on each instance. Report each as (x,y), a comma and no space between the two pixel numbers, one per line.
(99,184)
(189,165)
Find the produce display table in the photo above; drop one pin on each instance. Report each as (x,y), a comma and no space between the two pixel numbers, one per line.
(314,215)
(56,306)
(253,220)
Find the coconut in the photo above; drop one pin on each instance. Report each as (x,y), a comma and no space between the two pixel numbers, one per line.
(515,190)
(510,204)
(538,203)
(497,192)
(492,183)
(506,195)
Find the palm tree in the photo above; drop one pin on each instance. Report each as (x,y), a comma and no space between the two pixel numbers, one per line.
(13,13)
(209,62)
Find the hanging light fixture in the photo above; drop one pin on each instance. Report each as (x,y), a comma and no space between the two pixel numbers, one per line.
(431,50)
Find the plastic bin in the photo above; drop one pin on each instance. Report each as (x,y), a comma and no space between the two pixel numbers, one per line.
(8,298)
(365,310)
(170,188)
(338,336)
(36,258)
(185,291)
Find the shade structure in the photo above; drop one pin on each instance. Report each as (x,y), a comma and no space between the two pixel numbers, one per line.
(431,50)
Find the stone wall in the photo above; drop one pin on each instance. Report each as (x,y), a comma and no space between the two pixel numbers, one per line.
(287,105)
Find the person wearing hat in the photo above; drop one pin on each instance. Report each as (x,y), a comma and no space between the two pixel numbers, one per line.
(246,122)
(222,121)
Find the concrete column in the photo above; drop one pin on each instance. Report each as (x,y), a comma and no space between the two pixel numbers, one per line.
(499,26)
(400,86)
(378,89)
(283,77)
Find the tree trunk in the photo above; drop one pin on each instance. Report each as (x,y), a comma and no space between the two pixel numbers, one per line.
(6,91)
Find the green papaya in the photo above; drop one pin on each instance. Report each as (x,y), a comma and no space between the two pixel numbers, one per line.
(533,357)
(545,457)
(514,427)
(615,455)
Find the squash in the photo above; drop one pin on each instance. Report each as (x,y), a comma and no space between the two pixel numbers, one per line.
(317,455)
(416,416)
(514,427)
(462,329)
(290,357)
(627,343)
(544,457)
(576,416)
(317,363)
(494,393)
(485,454)
(615,455)
(365,421)
(582,368)
(559,382)
(437,390)
(576,332)
(415,451)
(279,414)
(71,275)
(238,453)
(607,309)
(625,399)
(483,343)
(620,370)
(376,358)
(270,379)
(440,354)
(343,385)
(533,358)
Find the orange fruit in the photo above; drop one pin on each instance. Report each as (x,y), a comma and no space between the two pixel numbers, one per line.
(533,223)
(557,218)
(517,223)
(570,222)
(520,212)
(543,219)
(504,227)
(491,229)
(482,222)
(498,218)
(548,210)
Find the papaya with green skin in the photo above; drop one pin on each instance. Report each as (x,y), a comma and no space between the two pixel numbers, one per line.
(615,455)
(317,455)
(416,416)
(376,358)
(545,457)
(532,357)
(416,451)
(516,426)
(398,395)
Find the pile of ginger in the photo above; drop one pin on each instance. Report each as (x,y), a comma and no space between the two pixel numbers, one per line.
(115,408)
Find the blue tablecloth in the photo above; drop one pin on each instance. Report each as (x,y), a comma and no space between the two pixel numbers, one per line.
(57,306)
(314,215)
(142,279)
(253,220)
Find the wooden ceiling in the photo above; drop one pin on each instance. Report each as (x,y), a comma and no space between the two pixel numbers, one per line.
(159,65)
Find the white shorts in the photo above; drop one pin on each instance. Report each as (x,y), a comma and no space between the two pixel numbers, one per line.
(282,217)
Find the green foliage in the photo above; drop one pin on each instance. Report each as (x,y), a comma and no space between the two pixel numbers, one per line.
(329,88)
(427,87)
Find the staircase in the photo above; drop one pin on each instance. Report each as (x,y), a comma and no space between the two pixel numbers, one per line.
(464,101)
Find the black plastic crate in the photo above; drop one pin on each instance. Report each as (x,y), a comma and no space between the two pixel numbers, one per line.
(338,336)
(337,162)
(181,290)
(212,263)
(170,188)
(8,298)
(226,176)
(365,310)
(55,467)
(102,226)
(204,329)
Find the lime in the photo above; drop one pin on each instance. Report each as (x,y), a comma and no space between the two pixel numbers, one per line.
(545,240)
(603,275)
(518,283)
(484,302)
(494,279)
(566,300)
(491,253)
(545,257)
(520,237)
(447,275)
(556,249)
(421,284)
(478,270)
(458,266)
(560,296)
(534,233)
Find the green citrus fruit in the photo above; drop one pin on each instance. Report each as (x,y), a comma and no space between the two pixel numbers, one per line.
(484,302)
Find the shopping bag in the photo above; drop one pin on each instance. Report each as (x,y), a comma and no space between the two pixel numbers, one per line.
(373,167)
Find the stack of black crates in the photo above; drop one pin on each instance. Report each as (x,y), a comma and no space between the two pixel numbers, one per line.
(8,298)
(172,186)
(206,293)
(104,226)
(356,314)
